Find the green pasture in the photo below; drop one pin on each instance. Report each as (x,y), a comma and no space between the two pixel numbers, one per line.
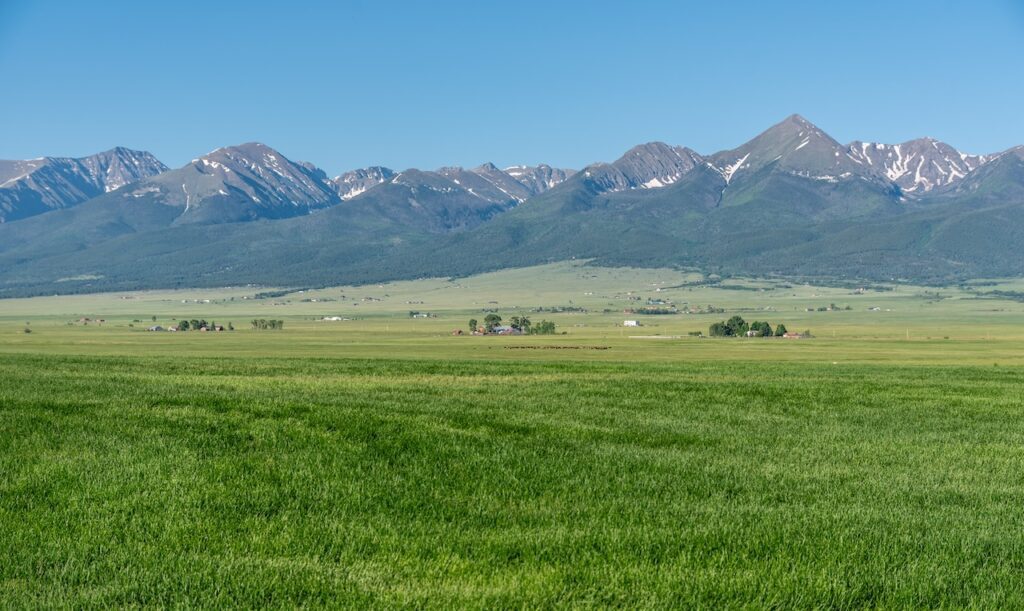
(380,461)
(893,322)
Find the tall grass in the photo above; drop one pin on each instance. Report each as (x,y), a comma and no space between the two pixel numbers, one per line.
(167,481)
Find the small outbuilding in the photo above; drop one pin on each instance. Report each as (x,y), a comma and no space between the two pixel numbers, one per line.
(505,330)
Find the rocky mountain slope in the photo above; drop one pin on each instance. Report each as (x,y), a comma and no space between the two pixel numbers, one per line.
(356,182)
(917,166)
(540,178)
(238,183)
(35,186)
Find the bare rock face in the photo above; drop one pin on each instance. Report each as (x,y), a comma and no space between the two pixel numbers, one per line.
(647,166)
(540,178)
(35,186)
(237,183)
(357,182)
(917,166)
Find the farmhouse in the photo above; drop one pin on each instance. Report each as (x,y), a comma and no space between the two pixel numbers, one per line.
(505,330)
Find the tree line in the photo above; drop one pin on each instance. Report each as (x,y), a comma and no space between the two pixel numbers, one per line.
(262,324)
(737,327)
(199,324)
(521,324)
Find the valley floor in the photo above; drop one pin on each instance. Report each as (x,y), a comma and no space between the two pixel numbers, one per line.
(381,461)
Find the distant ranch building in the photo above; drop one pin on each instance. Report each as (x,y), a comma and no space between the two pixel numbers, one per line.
(505,330)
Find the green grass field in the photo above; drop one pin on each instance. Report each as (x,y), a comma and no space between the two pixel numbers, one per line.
(380,461)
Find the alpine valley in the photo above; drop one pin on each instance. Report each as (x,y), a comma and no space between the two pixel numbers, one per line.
(792,203)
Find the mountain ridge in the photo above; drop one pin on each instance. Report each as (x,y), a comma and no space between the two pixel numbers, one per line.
(40,185)
(791,201)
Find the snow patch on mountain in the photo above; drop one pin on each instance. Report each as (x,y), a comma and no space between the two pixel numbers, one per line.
(50,183)
(355,183)
(648,166)
(917,166)
(730,170)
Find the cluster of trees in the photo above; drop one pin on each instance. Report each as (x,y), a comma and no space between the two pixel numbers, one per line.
(492,320)
(831,308)
(652,310)
(520,323)
(276,294)
(544,327)
(197,325)
(263,324)
(699,310)
(737,327)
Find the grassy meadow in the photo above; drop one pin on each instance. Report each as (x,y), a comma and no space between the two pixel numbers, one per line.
(380,461)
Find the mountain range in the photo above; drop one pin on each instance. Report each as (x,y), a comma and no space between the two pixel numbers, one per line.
(792,202)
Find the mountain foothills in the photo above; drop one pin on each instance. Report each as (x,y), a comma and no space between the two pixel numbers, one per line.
(792,202)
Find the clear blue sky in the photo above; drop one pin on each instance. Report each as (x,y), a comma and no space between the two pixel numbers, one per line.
(422,84)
